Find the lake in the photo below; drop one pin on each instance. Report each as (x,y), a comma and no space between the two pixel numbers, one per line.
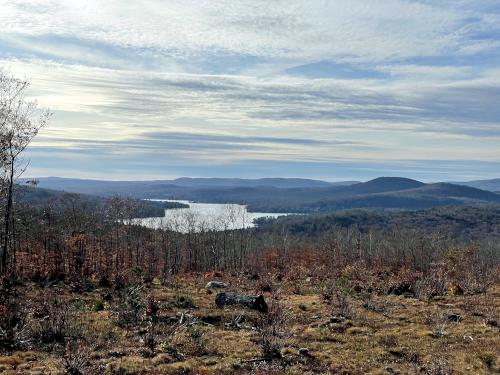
(204,216)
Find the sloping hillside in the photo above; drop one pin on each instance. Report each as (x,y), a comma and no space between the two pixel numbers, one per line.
(382,192)
(454,191)
(491,185)
(474,222)
(129,187)
(383,184)
(386,192)
(283,183)
(40,197)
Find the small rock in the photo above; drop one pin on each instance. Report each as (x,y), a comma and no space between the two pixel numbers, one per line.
(216,285)
(116,354)
(372,307)
(457,318)
(145,353)
(305,352)
(211,319)
(336,319)
(492,323)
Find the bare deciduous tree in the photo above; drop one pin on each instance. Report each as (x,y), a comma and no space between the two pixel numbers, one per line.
(20,121)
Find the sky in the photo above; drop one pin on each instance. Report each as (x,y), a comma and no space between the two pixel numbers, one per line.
(333,90)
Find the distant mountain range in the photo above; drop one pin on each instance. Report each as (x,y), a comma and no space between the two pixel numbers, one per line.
(261,182)
(288,195)
(491,185)
(112,187)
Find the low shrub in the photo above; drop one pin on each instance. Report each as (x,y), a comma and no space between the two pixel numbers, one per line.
(131,306)
(273,330)
(13,327)
(98,305)
(54,323)
(488,358)
(182,301)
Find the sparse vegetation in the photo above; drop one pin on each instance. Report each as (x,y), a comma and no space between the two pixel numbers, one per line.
(182,301)
(406,335)
(273,329)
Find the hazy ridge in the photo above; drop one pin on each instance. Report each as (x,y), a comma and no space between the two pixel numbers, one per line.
(288,195)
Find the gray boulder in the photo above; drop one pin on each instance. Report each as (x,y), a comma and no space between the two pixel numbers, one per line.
(216,285)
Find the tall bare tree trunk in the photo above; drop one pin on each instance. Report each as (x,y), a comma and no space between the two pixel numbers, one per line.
(7,219)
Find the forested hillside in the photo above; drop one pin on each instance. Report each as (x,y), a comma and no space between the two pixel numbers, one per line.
(37,197)
(384,192)
(475,222)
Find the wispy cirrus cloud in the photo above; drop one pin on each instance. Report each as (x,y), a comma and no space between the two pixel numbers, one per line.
(347,30)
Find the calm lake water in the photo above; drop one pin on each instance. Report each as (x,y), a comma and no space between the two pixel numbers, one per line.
(204,216)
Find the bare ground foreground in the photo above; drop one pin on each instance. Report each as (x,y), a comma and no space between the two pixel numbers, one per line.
(174,327)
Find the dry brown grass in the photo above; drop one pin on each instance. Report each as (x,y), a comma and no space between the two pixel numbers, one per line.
(395,337)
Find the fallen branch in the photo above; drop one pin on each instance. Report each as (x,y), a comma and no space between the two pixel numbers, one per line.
(227,299)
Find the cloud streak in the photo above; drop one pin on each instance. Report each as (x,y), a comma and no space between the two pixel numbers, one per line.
(348,29)
(227,82)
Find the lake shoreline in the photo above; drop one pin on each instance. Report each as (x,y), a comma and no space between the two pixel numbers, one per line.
(200,217)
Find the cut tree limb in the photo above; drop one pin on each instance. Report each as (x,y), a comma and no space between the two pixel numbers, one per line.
(229,298)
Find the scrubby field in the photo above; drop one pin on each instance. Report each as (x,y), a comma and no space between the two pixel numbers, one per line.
(313,325)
